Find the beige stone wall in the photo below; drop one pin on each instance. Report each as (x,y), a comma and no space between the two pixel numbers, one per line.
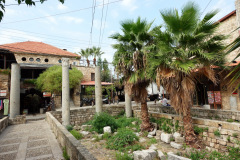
(86,71)
(52,59)
(227,27)
(5,84)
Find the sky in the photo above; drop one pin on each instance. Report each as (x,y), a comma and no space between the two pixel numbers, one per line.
(68,25)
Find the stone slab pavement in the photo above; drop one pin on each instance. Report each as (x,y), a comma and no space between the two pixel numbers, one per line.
(31,141)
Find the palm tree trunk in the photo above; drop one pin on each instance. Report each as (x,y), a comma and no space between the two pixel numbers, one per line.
(88,62)
(190,136)
(94,61)
(146,125)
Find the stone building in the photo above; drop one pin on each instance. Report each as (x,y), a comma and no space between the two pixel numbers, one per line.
(34,58)
(223,96)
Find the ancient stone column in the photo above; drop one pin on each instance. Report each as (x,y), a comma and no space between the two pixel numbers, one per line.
(98,90)
(15,91)
(128,105)
(65,92)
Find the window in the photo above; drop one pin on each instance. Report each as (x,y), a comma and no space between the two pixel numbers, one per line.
(74,63)
(38,60)
(24,58)
(92,76)
(31,59)
(46,60)
(59,61)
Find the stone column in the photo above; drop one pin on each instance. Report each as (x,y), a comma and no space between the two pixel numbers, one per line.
(65,92)
(128,105)
(98,90)
(15,91)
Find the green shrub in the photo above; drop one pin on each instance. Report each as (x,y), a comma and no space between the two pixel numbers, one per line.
(166,128)
(120,114)
(69,127)
(124,121)
(217,133)
(198,130)
(152,141)
(135,147)
(228,139)
(235,135)
(102,120)
(123,156)
(230,120)
(106,135)
(177,127)
(76,134)
(145,133)
(125,137)
(65,155)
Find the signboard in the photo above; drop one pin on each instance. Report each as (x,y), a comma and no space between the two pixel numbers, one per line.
(3,93)
(47,94)
(218,98)
(210,97)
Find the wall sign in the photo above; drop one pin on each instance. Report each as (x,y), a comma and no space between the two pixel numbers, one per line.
(3,93)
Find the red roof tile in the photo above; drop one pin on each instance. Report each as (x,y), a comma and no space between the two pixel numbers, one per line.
(92,83)
(36,48)
(227,16)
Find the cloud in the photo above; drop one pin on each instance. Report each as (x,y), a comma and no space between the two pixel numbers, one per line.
(11,35)
(61,7)
(70,19)
(130,4)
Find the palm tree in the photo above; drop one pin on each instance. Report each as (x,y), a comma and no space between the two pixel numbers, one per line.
(82,53)
(186,48)
(130,61)
(96,53)
(88,53)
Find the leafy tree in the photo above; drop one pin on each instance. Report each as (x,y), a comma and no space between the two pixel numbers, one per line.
(130,61)
(27,2)
(51,79)
(185,50)
(105,73)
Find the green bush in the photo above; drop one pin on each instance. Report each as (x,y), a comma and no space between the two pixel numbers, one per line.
(65,155)
(152,141)
(106,135)
(126,122)
(230,120)
(69,127)
(235,135)
(198,130)
(102,120)
(217,133)
(76,134)
(123,156)
(125,137)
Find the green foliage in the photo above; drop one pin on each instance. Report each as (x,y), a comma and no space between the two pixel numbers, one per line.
(30,81)
(123,156)
(5,71)
(69,127)
(90,90)
(65,155)
(152,141)
(124,138)
(198,130)
(76,134)
(51,79)
(235,135)
(145,133)
(103,119)
(228,139)
(177,127)
(106,136)
(217,133)
(120,114)
(127,122)
(197,155)
(230,120)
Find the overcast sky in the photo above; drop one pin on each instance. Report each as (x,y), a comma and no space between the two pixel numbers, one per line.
(71,29)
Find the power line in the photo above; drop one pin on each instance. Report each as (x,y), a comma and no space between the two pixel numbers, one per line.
(105,21)
(61,13)
(18,4)
(101,25)
(206,6)
(93,13)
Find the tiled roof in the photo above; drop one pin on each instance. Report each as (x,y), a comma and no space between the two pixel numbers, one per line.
(36,48)
(227,16)
(92,83)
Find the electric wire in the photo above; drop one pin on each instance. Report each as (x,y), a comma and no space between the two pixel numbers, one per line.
(101,26)
(105,21)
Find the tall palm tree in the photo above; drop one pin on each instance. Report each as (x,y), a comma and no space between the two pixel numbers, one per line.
(82,53)
(96,53)
(130,61)
(88,54)
(186,48)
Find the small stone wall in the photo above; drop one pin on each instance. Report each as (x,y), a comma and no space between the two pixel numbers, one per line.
(73,147)
(3,124)
(229,132)
(19,119)
(84,114)
(197,112)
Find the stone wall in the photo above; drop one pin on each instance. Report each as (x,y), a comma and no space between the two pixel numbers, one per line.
(3,124)
(84,114)
(86,71)
(52,59)
(5,84)
(73,147)
(197,112)
(229,132)
(19,119)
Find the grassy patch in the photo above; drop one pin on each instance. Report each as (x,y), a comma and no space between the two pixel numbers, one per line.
(65,155)
(217,133)
(76,134)
(123,156)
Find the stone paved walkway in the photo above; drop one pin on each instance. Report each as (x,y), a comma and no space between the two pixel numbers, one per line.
(31,141)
